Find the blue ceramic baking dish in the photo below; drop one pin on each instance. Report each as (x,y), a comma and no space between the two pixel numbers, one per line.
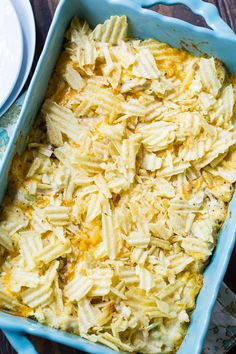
(219,42)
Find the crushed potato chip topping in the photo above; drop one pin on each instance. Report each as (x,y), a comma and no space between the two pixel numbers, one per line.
(114,209)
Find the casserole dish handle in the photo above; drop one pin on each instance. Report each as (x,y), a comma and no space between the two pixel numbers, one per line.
(20,342)
(208,11)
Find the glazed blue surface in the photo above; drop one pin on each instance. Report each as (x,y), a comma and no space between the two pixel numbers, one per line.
(219,42)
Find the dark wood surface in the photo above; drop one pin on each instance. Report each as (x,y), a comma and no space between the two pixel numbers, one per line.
(43,12)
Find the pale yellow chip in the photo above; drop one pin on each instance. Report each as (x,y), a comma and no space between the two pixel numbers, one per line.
(112,31)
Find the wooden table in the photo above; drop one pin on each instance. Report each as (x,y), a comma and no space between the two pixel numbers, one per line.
(43,12)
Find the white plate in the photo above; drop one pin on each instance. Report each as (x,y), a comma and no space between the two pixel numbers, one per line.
(26,18)
(11,49)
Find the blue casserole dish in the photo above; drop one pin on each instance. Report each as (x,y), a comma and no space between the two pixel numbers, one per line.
(219,42)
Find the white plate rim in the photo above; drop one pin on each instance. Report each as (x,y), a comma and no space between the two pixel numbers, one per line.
(18,33)
(25,14)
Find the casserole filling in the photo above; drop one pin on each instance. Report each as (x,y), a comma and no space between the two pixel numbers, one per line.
(114,209)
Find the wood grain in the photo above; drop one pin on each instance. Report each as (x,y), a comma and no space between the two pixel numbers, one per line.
(43,11)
